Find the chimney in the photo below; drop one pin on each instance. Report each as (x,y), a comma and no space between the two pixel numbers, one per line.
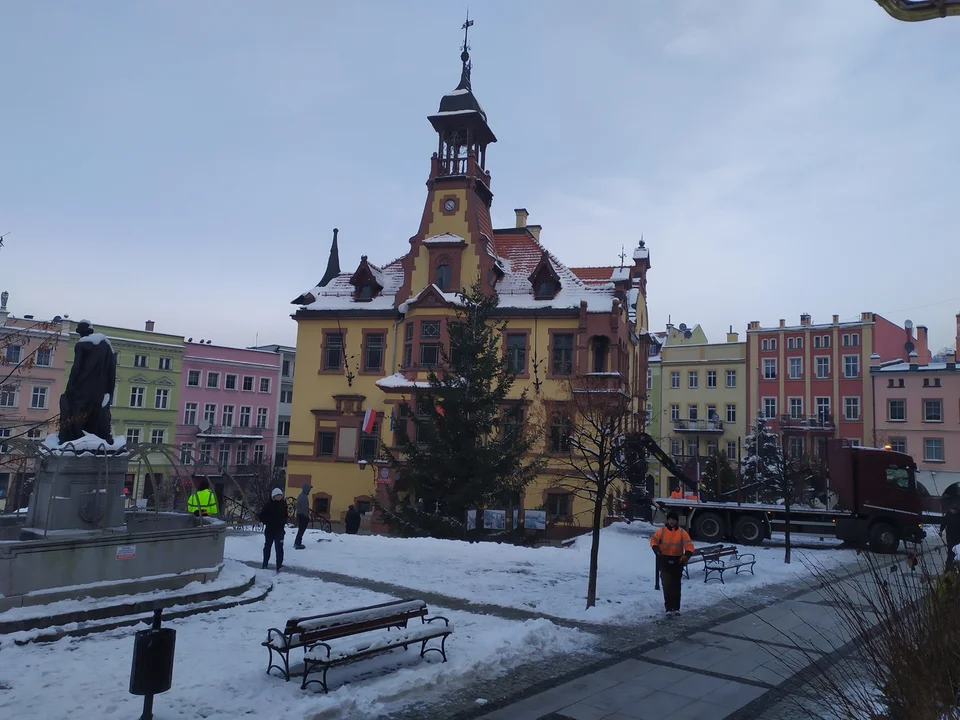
(922,349)
(914,360)
(783,323)
(522,216)
(836,319)
(148,326)
(534,230)
(805,320)
(875,361)
(753,325)
(4,296)
(732,336)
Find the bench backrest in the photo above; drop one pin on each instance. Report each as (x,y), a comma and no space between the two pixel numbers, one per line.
(295,624)
(708,550)
(330,626)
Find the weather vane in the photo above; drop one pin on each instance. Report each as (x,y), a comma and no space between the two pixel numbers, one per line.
(466,29)
(623,255)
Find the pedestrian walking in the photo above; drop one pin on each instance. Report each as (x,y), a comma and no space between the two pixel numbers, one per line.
(351,522)
(303,515)
(274,519)
(672,546)
(951,524)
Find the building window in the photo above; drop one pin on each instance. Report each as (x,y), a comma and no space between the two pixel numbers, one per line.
(8,398)
(261,417)
(674,411)
(601,349)
(140,361)
(373,353)
(286,396)
(161,400)
(731,449)
(731,413)
(933,411)
(823,366)
(210,413)
(186,453)
(193,378)
(283,428)
(206,453)
(898,445)
(675,380)
(559,439)
(823,408)
(136,397)
(333,351)
(259,453)
(675,448)
(816,341)
(563,354)
(429,329)
(693,447)
(770,407)
(370,444)
(157,437)
(546,289)
(38,398)
(43,357)
(223,455)
(517,354)
(226,416)
(133,436)
(444,277)
(692,411)
(712,412)
(896,410)
(770,369)
(264,385)
(408,345)
(326,439)
(190,413)
(768,344)
(649,379)
(799,343)
(826,341)
(242,451)
(213,380)
(12,354)
(731,378)
(248,383)
(245,416)
(851,408)
(163,363)
(796,407)
(285,368)
(558,505)
(795,446)
(933,449)
(429,354)
(790,345)
(4,433)
(795,368)
(230,382)
(692,376)
(711,378)
(851,366)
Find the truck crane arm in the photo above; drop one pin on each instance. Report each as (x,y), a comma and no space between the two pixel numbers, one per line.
(638,446)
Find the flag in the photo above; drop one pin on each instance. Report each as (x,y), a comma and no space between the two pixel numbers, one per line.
(369,418)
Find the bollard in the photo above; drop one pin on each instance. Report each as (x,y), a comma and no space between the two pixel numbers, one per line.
(152,670)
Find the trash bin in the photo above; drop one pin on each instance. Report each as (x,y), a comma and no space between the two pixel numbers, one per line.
(152,671)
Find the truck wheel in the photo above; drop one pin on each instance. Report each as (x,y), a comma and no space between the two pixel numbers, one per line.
(748,531)
(709,527)
(884,538)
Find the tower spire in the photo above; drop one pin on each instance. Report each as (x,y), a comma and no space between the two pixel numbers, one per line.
(333,263)
(465,54)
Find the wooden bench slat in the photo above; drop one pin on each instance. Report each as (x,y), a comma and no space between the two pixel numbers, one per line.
(332,620)
(382,641)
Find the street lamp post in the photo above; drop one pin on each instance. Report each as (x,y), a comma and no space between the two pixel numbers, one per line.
(918,10)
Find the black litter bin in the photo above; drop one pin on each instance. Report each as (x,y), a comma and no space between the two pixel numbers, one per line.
(152,671)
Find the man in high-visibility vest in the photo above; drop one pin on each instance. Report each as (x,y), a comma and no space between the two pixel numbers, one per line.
(203,501)
(673,548)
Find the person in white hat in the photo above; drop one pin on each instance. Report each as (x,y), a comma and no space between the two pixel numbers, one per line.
(274,519)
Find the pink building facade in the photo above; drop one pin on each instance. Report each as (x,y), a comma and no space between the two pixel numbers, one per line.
(32,378)
(917,411)
(228,410)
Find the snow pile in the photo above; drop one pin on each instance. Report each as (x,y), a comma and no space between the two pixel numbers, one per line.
(88,444)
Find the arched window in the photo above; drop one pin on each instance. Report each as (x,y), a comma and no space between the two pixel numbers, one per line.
(444,276)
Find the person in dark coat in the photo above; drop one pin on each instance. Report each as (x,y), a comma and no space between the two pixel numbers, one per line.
(274,519)
(303,515)
(951,524)
(352,521)
(85,404)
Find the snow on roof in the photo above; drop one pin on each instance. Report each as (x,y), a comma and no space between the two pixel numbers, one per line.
(443,238)
(905,367)
(397,381)
(338,294)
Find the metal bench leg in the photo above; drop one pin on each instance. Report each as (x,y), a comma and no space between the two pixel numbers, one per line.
(285,656)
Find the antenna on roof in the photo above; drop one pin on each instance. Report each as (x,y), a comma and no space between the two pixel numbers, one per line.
(623,255)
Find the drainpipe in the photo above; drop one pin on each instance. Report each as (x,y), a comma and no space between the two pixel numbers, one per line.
(393,360)
(873,410)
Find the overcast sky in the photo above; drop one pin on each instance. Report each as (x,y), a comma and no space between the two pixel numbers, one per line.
(185,162)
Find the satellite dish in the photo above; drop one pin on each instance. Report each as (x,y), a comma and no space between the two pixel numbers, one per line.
(908,324)
(683,327)
(205,425)
(189,339)
(687,335)
(909,346)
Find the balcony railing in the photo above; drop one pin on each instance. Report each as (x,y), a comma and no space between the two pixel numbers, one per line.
(231,431)
(698,426)
(820,421)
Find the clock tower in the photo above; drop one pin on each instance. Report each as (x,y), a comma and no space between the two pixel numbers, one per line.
(454,244)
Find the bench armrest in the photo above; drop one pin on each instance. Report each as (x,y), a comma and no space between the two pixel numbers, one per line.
(310,646)
(436,617)
(282,635)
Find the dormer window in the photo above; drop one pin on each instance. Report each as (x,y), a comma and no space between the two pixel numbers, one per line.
(365,292)
(546,289)
(365,281)
(544,278)
(444,276)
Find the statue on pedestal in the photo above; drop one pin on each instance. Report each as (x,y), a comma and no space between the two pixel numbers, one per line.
(85,404)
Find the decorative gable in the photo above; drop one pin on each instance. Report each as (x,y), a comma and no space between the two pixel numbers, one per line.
(140,379)
(544,278)
(366,281)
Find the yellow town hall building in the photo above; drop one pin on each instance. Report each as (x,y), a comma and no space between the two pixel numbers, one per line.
(368,337)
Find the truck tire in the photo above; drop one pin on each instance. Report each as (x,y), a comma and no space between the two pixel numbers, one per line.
(709,527)
(884,538)
(748,530)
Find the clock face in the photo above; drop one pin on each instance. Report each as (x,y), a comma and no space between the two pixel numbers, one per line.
(449,205)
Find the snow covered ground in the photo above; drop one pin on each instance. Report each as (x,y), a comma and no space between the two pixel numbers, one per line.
(220,665)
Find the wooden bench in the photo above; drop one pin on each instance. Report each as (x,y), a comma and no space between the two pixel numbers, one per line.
(735,561)
(314,634)
(710,552)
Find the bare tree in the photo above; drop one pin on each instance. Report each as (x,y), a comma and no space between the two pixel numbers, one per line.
(595,421)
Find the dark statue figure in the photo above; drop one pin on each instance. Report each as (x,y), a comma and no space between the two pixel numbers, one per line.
(85,404)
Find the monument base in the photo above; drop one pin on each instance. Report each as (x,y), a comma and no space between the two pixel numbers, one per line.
(78,492)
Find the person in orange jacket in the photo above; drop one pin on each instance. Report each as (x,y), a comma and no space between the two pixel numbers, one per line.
(673,548)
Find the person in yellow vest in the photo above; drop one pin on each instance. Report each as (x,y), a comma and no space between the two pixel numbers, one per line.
(203,501)
(673,548)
